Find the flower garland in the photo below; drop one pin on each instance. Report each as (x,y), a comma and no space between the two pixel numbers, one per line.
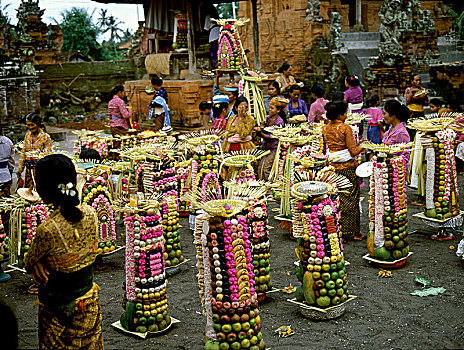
(380,194)
(430,178)
(33,212)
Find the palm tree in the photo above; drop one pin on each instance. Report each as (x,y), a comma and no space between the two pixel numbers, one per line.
(102,19)
(112,26)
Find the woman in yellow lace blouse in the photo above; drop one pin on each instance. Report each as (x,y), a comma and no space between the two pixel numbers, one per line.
(61,258)
(35,139)
(239,128)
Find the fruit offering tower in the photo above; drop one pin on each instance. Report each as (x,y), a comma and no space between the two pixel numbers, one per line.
(24,219)
(388,234)
(4,239)
(257,221)
(95,190)
(231,55)
(160,179)
(321,267)
(145,302)
(230,300)
(180,22)
(183,181)
(442,191)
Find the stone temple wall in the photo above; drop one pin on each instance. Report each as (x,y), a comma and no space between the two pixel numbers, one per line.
(287,36)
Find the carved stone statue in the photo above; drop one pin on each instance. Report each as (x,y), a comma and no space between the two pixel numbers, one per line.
(442,10)
(313,12)
(334,40)
(389,15)
(428,24)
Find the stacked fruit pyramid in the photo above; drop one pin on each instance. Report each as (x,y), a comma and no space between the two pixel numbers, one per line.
(442,189)
(321,267)
(257,221)
(24,220)
(231,55)
(160,179)
(388,234)
(145,305)
(4,241)
(183,174)
(230,300)
(181,37)
(204,149)
(96,192)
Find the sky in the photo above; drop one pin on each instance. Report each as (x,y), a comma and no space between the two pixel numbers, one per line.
(126,13)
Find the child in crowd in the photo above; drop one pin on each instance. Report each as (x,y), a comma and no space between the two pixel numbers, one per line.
(316,110)
(206,109)
(375,127)
(338,96)
(220,111)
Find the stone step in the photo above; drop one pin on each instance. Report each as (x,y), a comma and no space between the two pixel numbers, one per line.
(364,61)
(361,44)
(449,57)
(446,47)
(365,52)
(361,36)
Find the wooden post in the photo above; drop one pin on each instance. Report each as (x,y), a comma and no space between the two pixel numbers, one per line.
(257,53)
(191,44)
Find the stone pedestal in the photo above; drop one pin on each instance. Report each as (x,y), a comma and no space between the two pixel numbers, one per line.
(184,98)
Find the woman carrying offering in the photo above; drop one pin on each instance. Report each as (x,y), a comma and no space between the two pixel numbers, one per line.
(416,97)
(61,258)
(276,117)
(239,128)
(396,115)
(374,122)
(342,151)
(35,140)
(117,112)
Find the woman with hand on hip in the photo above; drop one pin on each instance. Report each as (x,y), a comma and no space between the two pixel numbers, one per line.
(61,258)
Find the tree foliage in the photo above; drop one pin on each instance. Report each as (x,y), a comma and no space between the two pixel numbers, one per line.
(79,32)
(225,9)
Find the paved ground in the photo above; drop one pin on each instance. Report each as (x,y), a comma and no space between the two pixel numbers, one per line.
(384,315)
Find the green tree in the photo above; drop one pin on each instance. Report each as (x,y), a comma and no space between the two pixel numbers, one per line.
(79,32)
(112,26)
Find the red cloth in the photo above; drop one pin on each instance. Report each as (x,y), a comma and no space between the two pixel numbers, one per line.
(235,146)
(220,123)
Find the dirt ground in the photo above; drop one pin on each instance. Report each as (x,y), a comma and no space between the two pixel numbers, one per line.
(383,316)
